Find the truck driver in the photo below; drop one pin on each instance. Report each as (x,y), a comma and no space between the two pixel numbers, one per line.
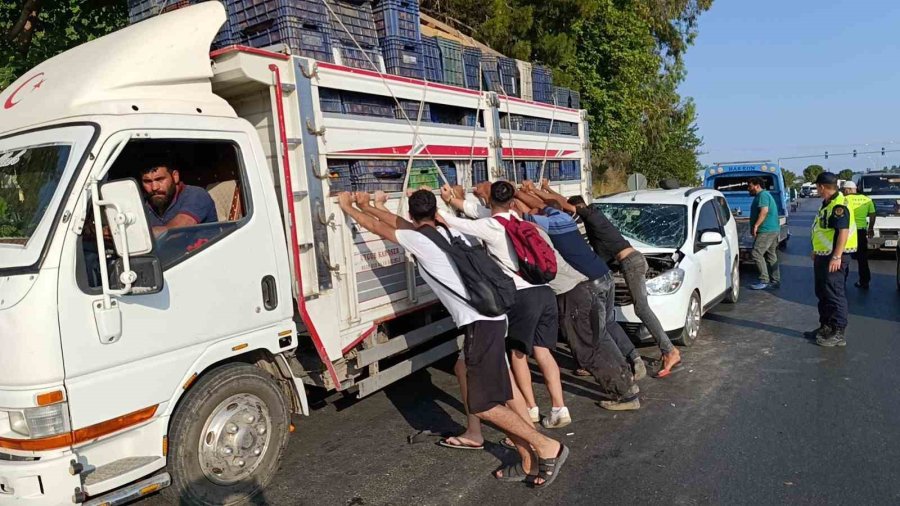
(170,202)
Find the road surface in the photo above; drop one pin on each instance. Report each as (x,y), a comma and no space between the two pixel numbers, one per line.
(758,415)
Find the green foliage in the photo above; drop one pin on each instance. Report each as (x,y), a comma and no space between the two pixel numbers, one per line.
(811,172)
(53,26)
(790,179)
(846,174)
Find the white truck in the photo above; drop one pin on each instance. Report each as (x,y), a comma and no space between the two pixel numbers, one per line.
(884,190)
(132,363)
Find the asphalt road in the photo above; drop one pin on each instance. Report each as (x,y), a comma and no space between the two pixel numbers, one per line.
(758,415)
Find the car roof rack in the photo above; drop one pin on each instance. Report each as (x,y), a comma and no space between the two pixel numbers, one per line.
(694,190)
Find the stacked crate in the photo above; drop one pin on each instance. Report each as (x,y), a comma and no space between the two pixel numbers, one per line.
(525,80)
(490,71)
(542,82)
(364,104)
(355,36)
(472,64)
(567,98)
(452,62)
(509,75)
(424,173)
(479,171)
(574,99)
(431,53)
(411,108)
(302,25)
(374,175)
(330,100)
(403,57)
(397,24)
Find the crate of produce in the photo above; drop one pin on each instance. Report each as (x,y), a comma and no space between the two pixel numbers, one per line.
(330,100)
(542,84)
(411,107)
(366,59)
(403,57)
(509,75)
(513,122)
(357,23)
(452,62)
(472,67)
(303,39)
(374,175)
(490,71)
(431,53)
(479,171)
(397,18)
(363,104)
(339,176)
(524,86)
(424,173)
(258,14)
(542,125)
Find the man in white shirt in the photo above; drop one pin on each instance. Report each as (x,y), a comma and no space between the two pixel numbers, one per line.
(490,393)
(534,323)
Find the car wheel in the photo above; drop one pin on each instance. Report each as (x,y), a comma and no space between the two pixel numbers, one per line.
(691,322)
(227,437)
(735,290)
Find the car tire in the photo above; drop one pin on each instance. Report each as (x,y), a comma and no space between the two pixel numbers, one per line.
(230,414)
(691,322)
(734,292)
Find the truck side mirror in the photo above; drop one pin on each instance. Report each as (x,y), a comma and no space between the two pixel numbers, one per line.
(127,218)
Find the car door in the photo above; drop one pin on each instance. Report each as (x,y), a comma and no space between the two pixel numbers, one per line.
(714,268)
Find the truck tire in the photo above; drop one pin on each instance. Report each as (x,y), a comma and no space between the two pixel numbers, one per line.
(735,291)
(691,322)
(226,437)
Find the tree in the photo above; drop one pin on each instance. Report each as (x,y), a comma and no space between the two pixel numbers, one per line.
(811,172)
(845,174)
(790,179)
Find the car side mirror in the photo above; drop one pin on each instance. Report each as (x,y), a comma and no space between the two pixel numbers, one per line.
(711,238)
(148,271)
(127,218)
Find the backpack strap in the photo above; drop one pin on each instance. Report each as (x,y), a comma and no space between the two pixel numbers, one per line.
(444,245)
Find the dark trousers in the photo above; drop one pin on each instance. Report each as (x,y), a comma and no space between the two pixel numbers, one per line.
(831,290)
(862,257)
(587,315)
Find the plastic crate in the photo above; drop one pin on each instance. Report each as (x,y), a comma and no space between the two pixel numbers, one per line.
(509,75)
(424,173)
(330,100)
(367,105)
(374,175)
(452,62)
(513,122)
(403,57)
(524,85)
(397,18)
(542,84)
(472,66)
(365,59)
(257,14)
(490,72)
(479,171)
(358,20)
(450,115)
(339,176)
(562,96)
(303,39)
(569,170)
(412,111)
(574,99)
(434,70)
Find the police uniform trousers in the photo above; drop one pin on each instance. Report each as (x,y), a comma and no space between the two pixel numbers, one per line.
(831,290)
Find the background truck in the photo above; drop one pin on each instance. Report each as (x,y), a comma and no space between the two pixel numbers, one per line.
(884,190)
(138,362)
(731,179)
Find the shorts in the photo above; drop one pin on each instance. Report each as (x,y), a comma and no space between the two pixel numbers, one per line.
(487,373)
(533,320)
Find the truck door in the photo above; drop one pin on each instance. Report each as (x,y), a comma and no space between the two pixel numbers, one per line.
(712,258)
(213,273)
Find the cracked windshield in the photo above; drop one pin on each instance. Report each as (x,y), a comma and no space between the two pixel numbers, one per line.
(28,180)
(658,226)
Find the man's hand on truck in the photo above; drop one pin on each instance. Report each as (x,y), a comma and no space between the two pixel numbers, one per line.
(380,199)
(362,199)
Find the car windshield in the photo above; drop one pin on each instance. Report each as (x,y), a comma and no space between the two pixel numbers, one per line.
(28,180)
(882,184)
(649,225)
(739,183)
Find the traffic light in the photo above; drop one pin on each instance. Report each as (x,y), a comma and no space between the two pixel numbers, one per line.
(854,153)
(882,151)
(826,155)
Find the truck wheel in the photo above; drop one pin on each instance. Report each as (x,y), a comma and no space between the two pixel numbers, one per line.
(691,322)
(226,437)
(735,290)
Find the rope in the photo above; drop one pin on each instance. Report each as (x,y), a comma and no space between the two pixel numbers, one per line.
(475,126)
(512,148)
(547,142)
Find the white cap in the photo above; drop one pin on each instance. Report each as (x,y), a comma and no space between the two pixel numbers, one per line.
(849,184)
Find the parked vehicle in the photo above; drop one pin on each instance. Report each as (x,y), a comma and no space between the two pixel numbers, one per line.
(807,189)
(147,361)
(884,190)
(690,240)
(732,180)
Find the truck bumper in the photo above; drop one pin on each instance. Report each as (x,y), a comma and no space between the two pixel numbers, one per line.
(669,309)
(39,482)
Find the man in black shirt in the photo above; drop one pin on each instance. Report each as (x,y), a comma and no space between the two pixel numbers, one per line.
(610,245)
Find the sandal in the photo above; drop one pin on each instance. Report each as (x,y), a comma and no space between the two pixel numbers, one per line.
(459,445)
(507,443)
(512,473)
(548,469)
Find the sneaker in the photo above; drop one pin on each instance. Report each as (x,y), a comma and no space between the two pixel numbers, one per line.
(535,414)
(634,390)
(822,331)
(631,404)
(640,369)
(759,286)
(835,338)
(557,419)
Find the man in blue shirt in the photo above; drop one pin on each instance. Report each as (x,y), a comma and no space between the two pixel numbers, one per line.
(765,228)
(171,203)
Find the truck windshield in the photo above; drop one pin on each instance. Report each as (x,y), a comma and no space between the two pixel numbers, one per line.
(35,169)
(739,183)
(881,184)
(653,225)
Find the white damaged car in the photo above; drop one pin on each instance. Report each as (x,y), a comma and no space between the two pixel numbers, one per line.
(690,240)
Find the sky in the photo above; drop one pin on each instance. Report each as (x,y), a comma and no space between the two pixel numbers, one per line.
(788,78)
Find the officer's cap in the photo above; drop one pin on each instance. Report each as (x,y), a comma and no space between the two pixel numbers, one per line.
(827,178)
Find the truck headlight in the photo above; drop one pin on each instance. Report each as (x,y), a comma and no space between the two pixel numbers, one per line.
(666,283)
(36,423)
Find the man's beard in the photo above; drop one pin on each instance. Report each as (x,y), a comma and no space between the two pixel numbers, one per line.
(161,202)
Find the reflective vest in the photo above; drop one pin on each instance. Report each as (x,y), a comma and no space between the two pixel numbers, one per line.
(823,235)
(857,203)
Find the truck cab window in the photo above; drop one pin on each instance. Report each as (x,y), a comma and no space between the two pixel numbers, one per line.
(195,195)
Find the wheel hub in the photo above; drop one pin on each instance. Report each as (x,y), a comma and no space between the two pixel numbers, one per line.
(235,439)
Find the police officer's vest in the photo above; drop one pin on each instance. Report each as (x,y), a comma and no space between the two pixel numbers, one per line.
(856,201)
(823,235)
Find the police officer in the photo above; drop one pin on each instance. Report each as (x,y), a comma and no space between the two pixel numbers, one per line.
(833,234)
(864,213)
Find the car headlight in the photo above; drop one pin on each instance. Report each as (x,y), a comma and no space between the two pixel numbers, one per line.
(36,423)
(666,283)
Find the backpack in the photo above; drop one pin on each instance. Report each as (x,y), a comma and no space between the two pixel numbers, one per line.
(491,291)
(537,260)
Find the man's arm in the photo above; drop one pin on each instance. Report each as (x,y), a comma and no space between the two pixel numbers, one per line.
(381,212)
(449,196)
(379,228)
(763,212)
(548,195)
(532,201)
(871,209)
(476,228)
(180,220)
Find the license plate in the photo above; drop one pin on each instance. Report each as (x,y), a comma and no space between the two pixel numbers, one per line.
(890,244)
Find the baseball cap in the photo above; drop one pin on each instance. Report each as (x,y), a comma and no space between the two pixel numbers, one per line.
(850,184)
(827,178)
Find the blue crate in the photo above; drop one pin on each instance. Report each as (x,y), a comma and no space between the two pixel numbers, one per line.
(479,171)
(574,99)
(374,175)
(330,100)
(257,14)
(434,70)
(358,20)
(397,18)
(403,57)
(569,170)
(339,176)
(472,64)
(353,57)
(303,39)
(542,84)
(509,75)
(412,110)
(364,104)
(563,96)
(452,62)
(490,72)
(513,122)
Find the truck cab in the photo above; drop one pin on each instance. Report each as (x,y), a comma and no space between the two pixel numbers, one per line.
(884,190)
(731,179)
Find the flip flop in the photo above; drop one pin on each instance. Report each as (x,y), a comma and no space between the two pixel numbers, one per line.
(462,446)
(548,469)
(512,473)
(664,373)
(507,443)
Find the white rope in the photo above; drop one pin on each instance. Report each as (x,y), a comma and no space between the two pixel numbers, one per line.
(475,126)
(512,148)
(547,142)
